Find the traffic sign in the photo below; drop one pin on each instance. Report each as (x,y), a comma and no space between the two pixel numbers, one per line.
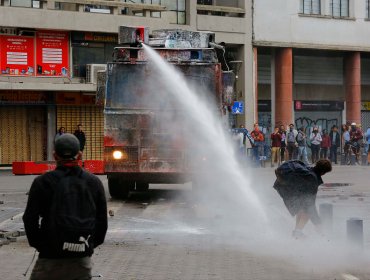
(238,107)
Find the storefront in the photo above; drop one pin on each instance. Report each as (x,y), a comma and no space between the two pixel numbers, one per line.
(323,114)
(365,115)
(23,126)
(78,108)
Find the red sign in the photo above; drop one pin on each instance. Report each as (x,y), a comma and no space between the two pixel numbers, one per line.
(17,55)
(52,53)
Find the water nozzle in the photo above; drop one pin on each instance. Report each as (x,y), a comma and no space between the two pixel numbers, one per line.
(216,46)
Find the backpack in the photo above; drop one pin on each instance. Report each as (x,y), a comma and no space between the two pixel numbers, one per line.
(72,216)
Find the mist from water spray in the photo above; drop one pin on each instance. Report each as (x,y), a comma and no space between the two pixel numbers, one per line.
(263,226)
(211,138)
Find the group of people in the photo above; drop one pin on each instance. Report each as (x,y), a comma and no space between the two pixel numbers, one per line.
(78,133)
(292,144)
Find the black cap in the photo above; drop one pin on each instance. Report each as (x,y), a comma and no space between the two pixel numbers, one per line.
(67,146)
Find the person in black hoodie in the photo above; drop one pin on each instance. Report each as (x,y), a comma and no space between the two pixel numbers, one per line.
(335,143)
(297,184)
(80,136)
(71,260)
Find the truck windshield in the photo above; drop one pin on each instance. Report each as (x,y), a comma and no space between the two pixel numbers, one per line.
(139,86)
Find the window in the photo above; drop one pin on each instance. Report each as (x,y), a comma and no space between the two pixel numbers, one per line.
(176,10)
(140,13)
(339,8)
(367,8)
(311,7)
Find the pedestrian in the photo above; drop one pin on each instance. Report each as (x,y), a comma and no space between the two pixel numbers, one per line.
(356,137)
(291,142)
(315,139)
(275,146)
(80,136)
(297,184)
(259,141)
(346,143)
(335,143)
(282,132)
(302,145)
(367,144)
(325,144)
(60,132)
(65,216)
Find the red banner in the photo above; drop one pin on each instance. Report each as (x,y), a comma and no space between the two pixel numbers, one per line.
(17,55)
(52,53)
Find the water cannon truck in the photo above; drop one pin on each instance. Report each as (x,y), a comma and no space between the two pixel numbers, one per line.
(139,148)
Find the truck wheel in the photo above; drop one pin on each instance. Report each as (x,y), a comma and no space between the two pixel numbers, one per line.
(118,188)
(142,186)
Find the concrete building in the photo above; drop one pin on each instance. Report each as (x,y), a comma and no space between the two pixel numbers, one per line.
(313,62)
(50,52)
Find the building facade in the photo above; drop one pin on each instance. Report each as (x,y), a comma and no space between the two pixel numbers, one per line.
(312,62)
(51,51)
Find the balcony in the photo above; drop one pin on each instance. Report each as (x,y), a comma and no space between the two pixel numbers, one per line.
(221,19)
(79,15)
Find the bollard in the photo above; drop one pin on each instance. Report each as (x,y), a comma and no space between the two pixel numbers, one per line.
(355,233)
(326,214)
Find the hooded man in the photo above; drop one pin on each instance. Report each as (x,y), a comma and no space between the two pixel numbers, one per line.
(65,252)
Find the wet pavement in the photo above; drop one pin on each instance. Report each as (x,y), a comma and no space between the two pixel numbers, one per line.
(167,234)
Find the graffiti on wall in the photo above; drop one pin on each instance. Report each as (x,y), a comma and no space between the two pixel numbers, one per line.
(322,123)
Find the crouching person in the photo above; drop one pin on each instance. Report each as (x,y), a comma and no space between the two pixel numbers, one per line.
(65,216)
(297,184)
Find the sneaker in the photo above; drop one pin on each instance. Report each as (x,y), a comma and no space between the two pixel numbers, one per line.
(298,234)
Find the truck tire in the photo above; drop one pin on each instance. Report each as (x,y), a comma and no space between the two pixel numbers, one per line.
(142,186)
(119,188)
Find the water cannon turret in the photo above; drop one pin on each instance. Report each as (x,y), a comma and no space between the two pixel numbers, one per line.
(216,46)
(133,36)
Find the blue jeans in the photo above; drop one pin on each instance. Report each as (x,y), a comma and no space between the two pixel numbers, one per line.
(302,152)
(367,148)
(258,150)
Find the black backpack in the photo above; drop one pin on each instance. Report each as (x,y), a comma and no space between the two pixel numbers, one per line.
(72,216)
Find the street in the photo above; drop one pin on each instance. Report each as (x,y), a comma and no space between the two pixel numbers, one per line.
(168,233)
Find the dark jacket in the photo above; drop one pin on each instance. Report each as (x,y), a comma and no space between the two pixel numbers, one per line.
(297,184)
(39,203)
(337,139)
(82,138)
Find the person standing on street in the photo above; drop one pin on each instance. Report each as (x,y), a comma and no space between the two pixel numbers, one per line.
(302,145)
(65,216)
(259,141)
(60,132)
(325,144)
(291,141)
(80,136)
(335,143)
(367,144)
(275,146)
(356,137)
(315,139)
(297,184)
(283,143)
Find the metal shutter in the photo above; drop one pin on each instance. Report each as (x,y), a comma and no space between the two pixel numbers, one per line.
(23,134)
(365,71)
(92,120)
(264,69)
(365,120)
(318,70)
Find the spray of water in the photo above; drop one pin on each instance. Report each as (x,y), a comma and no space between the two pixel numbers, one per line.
(258,224)
(224,188)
